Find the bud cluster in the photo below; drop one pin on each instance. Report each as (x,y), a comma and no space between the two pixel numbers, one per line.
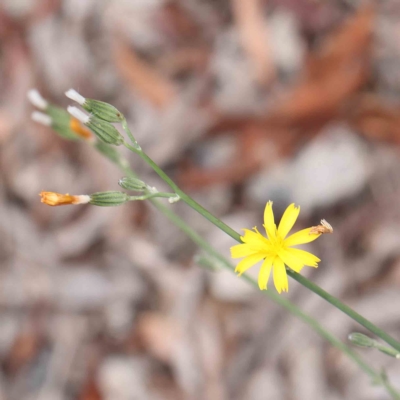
(101,117)
(100,109)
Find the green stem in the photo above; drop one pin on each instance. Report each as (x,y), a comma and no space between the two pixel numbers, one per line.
(152,196)
(299,278)
(346,309)
(125,127)
(184,197)
(293,309)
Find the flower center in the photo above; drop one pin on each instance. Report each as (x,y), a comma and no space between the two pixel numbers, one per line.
(278,244)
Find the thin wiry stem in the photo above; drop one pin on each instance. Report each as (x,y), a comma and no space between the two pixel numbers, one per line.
(376,377)
(299,278)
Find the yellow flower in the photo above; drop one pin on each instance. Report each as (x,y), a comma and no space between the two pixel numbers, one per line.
(276,251)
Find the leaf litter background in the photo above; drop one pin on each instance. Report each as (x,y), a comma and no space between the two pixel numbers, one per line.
(241,102)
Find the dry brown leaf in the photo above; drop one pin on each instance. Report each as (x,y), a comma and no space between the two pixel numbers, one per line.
(90,391)
(142,77)
(252,29)
(373,118)
(250,144)
(332,76)
(24,349)
(159,335)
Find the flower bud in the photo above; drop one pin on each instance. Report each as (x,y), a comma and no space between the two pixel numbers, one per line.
(364,341)
(100,109)
(133,184)
(105,131)
(108,199)
(361,340)
(102,129)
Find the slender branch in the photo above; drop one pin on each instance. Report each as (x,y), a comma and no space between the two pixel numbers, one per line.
(299,278)
(375,376)
(346,309)
(150,195)
(184,197)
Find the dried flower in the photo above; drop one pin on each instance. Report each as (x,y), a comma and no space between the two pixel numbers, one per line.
(325,227)
(58,199)
(276,250)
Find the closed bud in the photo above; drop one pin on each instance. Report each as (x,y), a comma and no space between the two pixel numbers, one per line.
(102,129)
(108,199)
(364,341)
(105,131)
(133,184)
(361,340)
(100,109)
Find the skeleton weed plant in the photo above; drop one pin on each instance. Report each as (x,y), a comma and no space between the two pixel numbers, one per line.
(276,249)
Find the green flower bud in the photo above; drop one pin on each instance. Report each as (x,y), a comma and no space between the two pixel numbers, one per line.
(102,129)
(108,199)
(361,340)
(133,184)
(100,109)
(105,131)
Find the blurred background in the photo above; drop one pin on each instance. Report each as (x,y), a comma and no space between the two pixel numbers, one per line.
(241,102)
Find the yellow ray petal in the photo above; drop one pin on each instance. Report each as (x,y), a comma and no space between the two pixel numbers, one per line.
(306,257)
(288,219)
(265,272)
(254,238)
(301,237)
(243,250)
(280,276)
(290,260)
(248,262)
(269,221)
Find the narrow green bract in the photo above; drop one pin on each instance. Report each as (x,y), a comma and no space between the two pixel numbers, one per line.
(103,110)
(108,199)
(105,131)
(361,340)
